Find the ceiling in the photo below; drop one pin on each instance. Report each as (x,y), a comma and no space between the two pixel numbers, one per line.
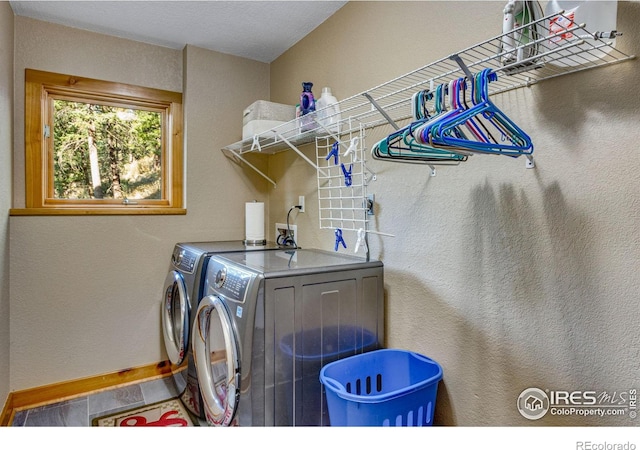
(258,30)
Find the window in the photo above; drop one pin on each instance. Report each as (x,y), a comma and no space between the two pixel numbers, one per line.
(97,147)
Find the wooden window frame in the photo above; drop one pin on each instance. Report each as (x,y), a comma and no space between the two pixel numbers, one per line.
(40,88)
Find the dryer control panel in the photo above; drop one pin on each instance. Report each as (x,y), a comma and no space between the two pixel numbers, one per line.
(183,259)
(228,281)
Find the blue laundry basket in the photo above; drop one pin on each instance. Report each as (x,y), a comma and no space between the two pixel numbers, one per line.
(385,387)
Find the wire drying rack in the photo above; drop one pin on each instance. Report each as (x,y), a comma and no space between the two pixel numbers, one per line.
(343,177)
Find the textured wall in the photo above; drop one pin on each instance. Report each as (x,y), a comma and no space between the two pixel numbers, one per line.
(85,291)
(510,278)
(6,135)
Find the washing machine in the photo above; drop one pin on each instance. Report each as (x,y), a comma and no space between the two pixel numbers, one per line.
(182,290)
(267,324)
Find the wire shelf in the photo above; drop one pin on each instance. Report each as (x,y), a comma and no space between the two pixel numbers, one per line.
(558,52)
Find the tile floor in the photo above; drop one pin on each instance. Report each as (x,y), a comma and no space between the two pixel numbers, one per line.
(79,412)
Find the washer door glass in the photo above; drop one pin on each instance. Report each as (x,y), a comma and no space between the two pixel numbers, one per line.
(217,358)
(175,317)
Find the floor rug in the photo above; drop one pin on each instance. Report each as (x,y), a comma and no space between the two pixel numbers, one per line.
(167,413)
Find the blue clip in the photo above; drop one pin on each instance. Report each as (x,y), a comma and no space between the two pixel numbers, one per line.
(334,152)
(347,174)
(339,239)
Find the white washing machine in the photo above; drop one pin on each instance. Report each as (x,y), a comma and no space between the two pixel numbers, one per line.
(182,290)
(268,323)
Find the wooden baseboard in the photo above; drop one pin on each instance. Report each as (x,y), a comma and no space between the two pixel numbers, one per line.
(65,390)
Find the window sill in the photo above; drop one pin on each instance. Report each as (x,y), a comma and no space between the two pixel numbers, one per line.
(85,211)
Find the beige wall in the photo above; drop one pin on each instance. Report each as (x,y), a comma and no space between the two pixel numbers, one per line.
(85,291)
(510,278)
(54,48)
(6,136)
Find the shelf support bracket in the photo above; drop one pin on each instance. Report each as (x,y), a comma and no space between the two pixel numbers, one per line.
(237,155)
(302,155)
(381,111)
(455,57)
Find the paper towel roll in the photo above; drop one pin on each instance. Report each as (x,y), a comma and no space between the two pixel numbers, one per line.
(254,222)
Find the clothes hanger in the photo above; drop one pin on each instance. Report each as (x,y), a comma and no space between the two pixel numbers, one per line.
(398,146)
(419,101)
(402,146)
(463,90)
(440,108)
(422,133)
(513,140)
(410,146)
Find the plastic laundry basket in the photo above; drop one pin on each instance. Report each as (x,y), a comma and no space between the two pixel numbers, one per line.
(382,388)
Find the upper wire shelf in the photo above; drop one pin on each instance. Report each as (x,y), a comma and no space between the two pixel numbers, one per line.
(578,49)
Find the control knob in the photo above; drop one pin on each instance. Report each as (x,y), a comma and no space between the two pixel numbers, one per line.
(177,258)
(221,276)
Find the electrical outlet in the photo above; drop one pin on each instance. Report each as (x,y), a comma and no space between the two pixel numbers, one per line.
(369,203)
(301,203)
(282,235)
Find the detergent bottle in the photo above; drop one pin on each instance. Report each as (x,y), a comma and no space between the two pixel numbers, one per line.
(328,111)
(307,107)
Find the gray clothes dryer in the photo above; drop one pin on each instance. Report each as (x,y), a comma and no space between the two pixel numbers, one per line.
(182,291)
(268,323)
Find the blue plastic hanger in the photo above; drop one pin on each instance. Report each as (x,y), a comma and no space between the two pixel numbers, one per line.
(401,145)
(514,141)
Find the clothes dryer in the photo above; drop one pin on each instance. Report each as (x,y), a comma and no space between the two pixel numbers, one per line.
(268,323)
(182,290)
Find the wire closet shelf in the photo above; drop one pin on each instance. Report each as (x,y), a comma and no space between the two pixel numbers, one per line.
(560,50)
(547,48)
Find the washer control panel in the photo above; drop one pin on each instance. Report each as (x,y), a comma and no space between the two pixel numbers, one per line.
(184,260)
(229,281)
